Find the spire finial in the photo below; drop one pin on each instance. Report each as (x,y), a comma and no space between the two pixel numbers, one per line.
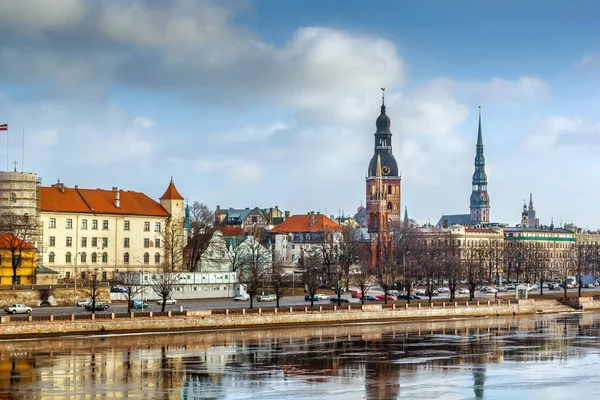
(171,178)
(383,96)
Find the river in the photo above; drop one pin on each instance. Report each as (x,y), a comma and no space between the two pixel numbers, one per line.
(536,357)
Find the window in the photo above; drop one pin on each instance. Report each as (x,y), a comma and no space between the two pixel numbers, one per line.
(146,258)
(105,224)
(157,258)
(94,242)
(104,257)
(84,224)
(69,223)
(52,241)
(83,242)
(104,242)
(67,275)
(125,225)
(146,242)
(83,257)
(156,242)
(254,219)
(94,257)
(51,257)
(52,223)
(126,258)
(13,197)
(82,275)
(126,242)
(104,275)
(69,241)
(94,224)
(68,257)
(147,226)
(157,227)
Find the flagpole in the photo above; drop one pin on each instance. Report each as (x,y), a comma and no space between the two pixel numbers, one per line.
(7,150)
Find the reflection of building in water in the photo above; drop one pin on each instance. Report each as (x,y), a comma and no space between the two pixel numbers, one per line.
(16,369)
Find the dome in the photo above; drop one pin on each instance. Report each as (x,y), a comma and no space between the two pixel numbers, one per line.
(387,160)
(383,122)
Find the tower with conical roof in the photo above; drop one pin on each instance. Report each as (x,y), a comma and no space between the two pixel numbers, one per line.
(480,200)
(383,179)
(173,235)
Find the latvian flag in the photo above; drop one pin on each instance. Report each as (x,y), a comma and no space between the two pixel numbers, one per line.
(4,127)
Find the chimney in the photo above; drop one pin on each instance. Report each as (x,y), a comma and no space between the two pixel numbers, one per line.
(114,189)
(247,208)
(76,186)
(277,207)
(311,215)
(60,186)
(286,215)
(117,198)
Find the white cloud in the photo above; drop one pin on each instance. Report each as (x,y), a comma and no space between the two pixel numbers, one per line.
(237,170)
(589,62)
(565,132)
(33,17)
(252,133)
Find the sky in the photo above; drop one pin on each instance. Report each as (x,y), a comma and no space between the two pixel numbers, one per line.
(273,103)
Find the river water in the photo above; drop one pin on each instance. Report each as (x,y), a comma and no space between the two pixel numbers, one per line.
(537,357)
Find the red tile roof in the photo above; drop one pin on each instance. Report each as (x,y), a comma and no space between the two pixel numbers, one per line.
(230,230)
(99,202)
(8,242)
(302,223)
(171,193)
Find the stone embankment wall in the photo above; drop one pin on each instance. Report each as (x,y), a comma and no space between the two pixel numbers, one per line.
(207,319)
(60,296)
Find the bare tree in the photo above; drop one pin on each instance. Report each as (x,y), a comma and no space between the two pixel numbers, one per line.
(348,250)
(131,281)
(93,286)
(363,276)
(473,262)
(408,254)
(164,283)
(173,237)
(202,219)
(18,235)
(578,259)
(339,281)
(280,280)
(254,261)
(328,249)
(387,269)
(430,267)
(564,267)
(538,258)
(313,273)
(451,264)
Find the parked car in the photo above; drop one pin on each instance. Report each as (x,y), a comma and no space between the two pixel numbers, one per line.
(488,290)
(342,300)
(393,292)
(382,298)
(554,286)
(356,294)
(315,298)
(433,293)
(84,302)
(443,289)
(322,296)
(510,286)
(502,288)
(589,285)
(136,304)
(463,291)
(18,309)
(370,298)
(99,306)
(419,292)
(168,302)
(266,297)
(242,297)
(404,296)
(118,289)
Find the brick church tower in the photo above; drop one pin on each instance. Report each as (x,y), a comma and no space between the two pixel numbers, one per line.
(383,180)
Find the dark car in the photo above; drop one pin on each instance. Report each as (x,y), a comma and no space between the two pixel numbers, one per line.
(370,298)
(404,296)
(433,293)
(99,306)
(307,298)
(342,300)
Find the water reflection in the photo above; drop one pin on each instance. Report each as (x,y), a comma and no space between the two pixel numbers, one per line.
(453,359)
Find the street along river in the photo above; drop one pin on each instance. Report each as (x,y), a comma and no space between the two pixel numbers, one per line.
(534,357)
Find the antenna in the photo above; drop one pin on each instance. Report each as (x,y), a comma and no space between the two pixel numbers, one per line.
(23,153)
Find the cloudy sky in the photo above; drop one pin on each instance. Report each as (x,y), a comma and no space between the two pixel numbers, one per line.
(274,102)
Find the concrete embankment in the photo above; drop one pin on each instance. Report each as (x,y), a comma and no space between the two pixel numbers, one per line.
(256,318)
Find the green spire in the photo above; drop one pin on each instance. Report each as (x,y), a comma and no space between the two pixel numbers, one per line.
(405,214)
(479,135)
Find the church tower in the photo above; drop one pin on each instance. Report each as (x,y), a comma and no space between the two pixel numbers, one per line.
(383,179)
(480,201)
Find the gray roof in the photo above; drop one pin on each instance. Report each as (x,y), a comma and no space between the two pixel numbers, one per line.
(541,229)
(454,219)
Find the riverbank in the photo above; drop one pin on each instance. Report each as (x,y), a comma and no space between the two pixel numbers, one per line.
(37,326)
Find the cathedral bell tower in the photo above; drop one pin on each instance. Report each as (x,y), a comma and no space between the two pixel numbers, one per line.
(480,201)
(383,179)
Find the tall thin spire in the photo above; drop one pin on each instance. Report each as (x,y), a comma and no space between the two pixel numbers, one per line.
(383,97)
(479,135)
(405,214)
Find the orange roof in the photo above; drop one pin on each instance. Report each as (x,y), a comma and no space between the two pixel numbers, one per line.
(99,202)
(9,241)
(171,193)
(230,230)
(302,223)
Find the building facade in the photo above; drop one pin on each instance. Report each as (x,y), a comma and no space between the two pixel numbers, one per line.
(25,258)
(113,230)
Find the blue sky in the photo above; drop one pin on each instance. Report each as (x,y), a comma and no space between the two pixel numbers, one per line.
(274,102)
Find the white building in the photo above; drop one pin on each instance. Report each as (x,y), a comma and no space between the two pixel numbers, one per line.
(114,230)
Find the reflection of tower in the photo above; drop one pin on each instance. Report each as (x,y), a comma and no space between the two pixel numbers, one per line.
(382,379)
(480,200)
(479,380)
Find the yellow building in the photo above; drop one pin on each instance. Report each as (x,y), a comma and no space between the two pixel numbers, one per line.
(26,255)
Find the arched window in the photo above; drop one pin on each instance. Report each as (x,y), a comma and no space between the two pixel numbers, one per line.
(68,257)
(146,258)
(51,257)
(390,206)
(389,189)
(94,257)
(13,198)
(126,258)
(104,257)
(83,257)
(157,258)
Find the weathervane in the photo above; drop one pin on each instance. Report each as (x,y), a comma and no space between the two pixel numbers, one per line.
(383,95)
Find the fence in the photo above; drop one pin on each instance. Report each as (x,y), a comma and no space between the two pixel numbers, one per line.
(355,307)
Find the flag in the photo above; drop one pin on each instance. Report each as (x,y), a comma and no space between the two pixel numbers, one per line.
(4,127)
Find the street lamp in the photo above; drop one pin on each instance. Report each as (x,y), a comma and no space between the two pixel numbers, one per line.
(75,276)
(143,287)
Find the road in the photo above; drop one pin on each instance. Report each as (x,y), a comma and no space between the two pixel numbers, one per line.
(204,304)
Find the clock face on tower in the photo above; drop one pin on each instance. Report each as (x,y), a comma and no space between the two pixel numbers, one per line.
(385,170)
(484,198)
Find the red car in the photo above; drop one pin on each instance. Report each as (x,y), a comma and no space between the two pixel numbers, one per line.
(381,298)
